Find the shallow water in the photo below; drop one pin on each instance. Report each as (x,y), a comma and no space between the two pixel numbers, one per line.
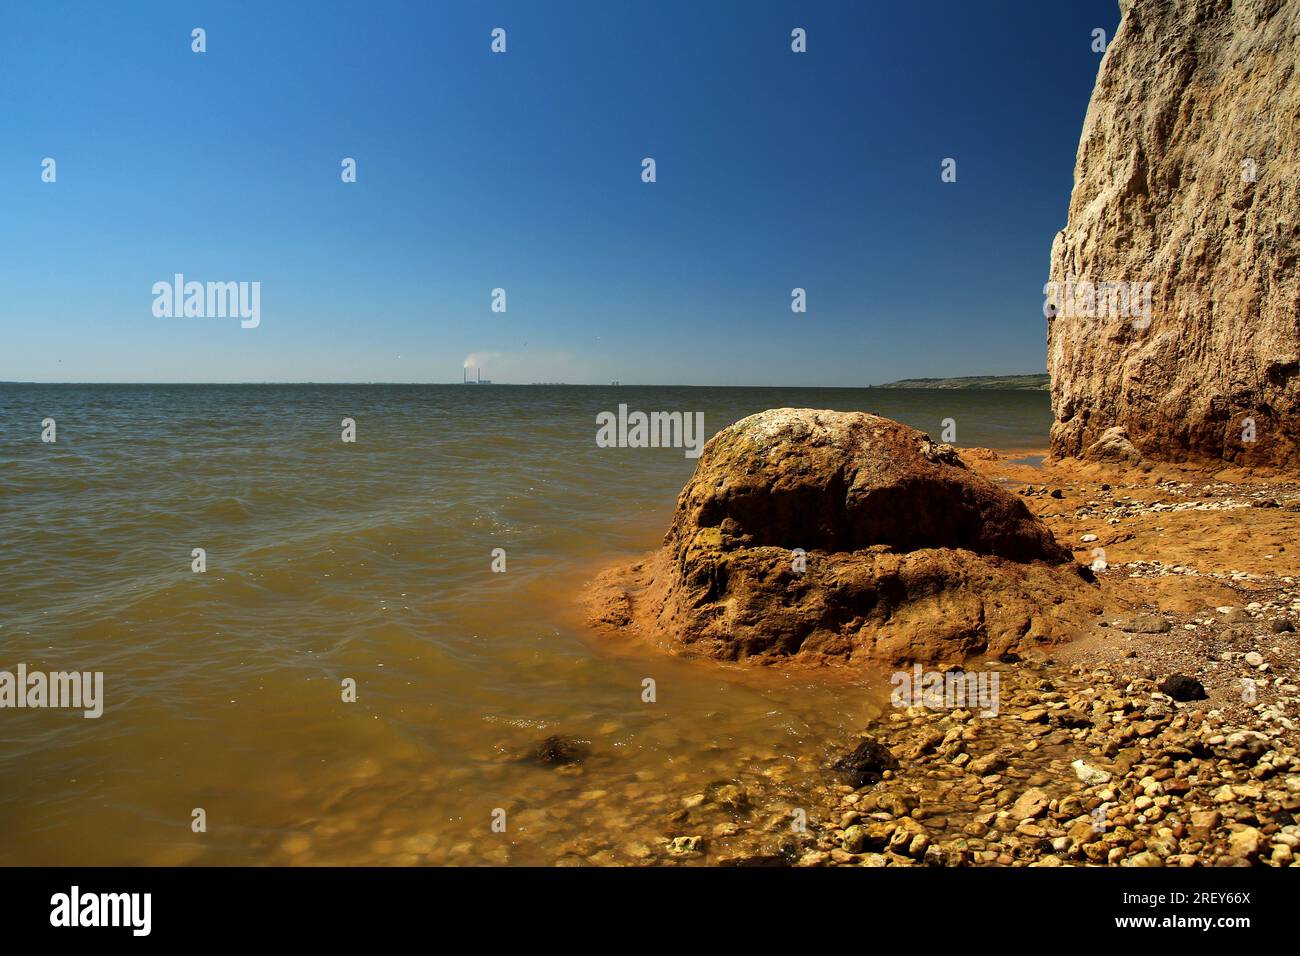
(372,561)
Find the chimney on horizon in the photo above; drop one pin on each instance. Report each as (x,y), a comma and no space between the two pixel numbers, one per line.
(480,375)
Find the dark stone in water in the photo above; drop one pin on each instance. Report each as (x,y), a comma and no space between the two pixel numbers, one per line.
(866,765)
(729,797)
(1281,626)
(1009,657)
(1183,688)
(561,750)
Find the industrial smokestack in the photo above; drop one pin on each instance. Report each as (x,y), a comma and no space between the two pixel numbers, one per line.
(480,376)
(464,376)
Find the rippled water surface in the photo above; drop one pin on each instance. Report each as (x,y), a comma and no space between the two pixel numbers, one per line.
(372,561)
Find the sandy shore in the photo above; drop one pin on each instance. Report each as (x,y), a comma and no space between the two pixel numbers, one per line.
(1088,761)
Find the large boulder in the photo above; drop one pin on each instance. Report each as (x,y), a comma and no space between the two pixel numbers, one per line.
(847,536)
(1187,178)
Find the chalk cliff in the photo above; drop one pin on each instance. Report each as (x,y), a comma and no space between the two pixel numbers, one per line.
(1187,178)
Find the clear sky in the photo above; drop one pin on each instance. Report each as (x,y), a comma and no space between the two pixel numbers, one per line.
(522,171)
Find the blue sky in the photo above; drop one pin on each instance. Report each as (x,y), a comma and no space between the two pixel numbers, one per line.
(523,171)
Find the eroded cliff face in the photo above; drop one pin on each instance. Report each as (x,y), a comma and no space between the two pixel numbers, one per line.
(1187,178)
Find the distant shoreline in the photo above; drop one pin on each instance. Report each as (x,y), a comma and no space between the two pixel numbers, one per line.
(1036,382)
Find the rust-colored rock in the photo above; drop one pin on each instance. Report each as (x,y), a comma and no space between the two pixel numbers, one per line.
(824,535)
(1187,178)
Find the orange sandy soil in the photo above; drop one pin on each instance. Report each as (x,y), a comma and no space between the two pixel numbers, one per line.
(1179,542)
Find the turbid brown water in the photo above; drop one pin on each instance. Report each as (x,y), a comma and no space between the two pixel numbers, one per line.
(373,561)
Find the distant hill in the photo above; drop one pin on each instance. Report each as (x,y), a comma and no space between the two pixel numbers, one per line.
(1031,382)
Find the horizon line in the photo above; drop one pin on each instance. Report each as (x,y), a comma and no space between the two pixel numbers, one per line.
(495,383)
